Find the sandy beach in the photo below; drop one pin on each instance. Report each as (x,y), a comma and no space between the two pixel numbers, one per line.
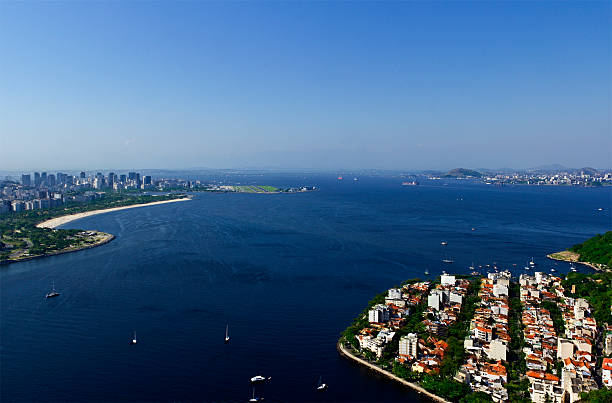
(56,222)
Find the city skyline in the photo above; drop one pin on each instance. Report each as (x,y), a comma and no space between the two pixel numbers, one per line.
(304,86)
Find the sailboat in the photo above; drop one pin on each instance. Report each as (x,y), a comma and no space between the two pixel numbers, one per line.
(53,293)
(443,243)
(426,272)
(134,340)
(227,338)
(320,385)
(255,399)
(572,267)
(532,263)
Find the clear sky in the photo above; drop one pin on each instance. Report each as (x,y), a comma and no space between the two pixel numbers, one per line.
(410,85)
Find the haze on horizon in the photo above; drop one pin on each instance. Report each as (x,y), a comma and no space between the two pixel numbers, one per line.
(295,85)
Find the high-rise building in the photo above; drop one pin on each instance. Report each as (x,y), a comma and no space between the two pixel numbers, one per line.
(122,178)
(43,178)
(82,175)
(36,179)
(51,180)
(26,180)
(408,345)
(132,176)
(112,178)
(147,180)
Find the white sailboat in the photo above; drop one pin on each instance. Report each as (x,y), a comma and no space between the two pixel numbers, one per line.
(255,399)
(227,338)
(134,340)
(52,293)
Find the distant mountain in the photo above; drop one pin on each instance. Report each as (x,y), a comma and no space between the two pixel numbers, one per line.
(588,171)
(462,173)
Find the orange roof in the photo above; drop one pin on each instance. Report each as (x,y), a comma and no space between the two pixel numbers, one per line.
(542,375)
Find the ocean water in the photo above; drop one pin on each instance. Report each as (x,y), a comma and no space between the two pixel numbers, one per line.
(288,272)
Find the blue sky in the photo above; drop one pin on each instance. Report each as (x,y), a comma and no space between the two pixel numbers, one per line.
(410,85)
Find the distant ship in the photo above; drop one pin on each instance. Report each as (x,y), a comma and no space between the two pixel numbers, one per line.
(411,183)
(134,340)
(320,385)
(227,338)
(447,260)
(53,293)
(339,178)
(355,179)
(426,272)
(552,269)
(443,243)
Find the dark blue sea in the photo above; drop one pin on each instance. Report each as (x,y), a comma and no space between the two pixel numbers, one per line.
(288,272)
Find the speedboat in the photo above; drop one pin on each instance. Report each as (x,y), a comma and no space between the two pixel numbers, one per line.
(52,293)
(532,263)
(573,268)
(259,378)
(443,243)
(447,260)
(552,269)
(227,338)
(321,386)
(134,340)
(426,272)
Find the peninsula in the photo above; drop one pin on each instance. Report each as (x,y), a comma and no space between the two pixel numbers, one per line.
(595,252)
(32,234)
(536,338)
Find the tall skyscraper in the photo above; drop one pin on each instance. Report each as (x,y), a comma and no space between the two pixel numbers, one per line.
(26,180)
(82,175)
(36,179)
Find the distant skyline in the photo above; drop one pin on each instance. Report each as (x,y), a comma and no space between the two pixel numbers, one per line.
(325,86)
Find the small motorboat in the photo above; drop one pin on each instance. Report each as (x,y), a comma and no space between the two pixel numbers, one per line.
(52,293)
(321,386)
(473,229)
(448,260)
(573,268)
(426,272)
(227,338)
(443,243)
(134,340)
(532,263)
(552,269)
(260,378)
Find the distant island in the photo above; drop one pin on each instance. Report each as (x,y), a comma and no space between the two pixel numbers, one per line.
(462,173)
(595,252)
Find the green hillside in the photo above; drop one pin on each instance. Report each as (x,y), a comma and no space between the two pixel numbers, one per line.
(462,173)
(596,250)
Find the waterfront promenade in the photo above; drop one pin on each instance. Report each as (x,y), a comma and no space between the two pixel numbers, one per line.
(346,353)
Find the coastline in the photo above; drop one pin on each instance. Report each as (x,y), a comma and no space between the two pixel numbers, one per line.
(567,256)
(57,221)
(346,353)
(108,237)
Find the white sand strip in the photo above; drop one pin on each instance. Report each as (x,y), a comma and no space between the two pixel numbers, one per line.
(56,222)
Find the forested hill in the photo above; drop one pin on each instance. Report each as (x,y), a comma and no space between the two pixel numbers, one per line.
(596,250)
